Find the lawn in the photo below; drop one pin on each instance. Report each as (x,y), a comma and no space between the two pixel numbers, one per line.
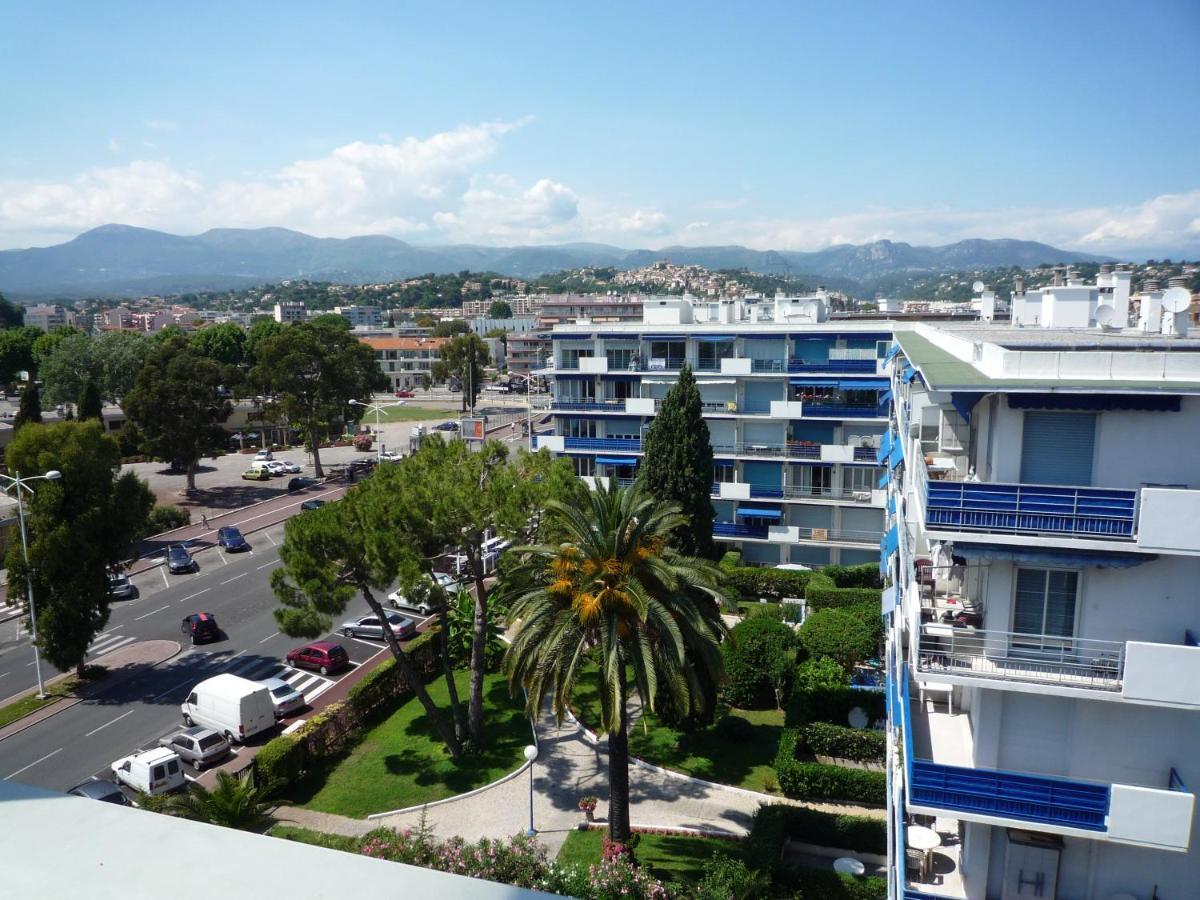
(30,703)
(401,761)
(316,838)
(741,756)
(670,857)
(410,414)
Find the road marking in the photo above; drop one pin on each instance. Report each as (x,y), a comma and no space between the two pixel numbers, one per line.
(264,640)
(163,573)
(106,724)
(171,690)
(195,595)
(271,539)
(235,578)
(34,763)
(221,557)
(147,615)
(3,674)
(268,565)
(371,644)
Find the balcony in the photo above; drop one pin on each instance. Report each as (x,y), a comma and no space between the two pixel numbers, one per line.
(769,366)
(822,411)
(842,366)
(739,529)
(1027,509)
(568,404)
(1167,518)
(618,445)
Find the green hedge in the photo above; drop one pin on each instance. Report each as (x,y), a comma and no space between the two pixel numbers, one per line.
(385,682)
(756,583)
(865,575)
(833,705)
(823,884)
(774,824)
(857,744)
(818,781)
(279,763)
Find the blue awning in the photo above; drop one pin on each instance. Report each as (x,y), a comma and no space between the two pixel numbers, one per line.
(813,382)
(617,460)
(891,354)
(891,541)
(1100,402)
(574,377)
(664,337)
(720,461)
(908,375)
(885,447)
(713,338)
(753,512)
(885,478)
(897,455)
(891,504)
(764,337)
(964,402)
(863,384)
(620,376)
(1038,555)
(885,397)
(571,337)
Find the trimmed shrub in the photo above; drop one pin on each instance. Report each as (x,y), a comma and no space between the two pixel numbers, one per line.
(865,575)
(757,583)
(279,763)
(857,744)
(774,824)
(840,635)
(824,592)
(819,781)
(760,662)
(726,878)
(833,704)
(165,518)
(731,559)
(822,884)
(819,674)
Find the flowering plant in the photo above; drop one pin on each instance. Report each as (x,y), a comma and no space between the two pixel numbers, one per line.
(588,803)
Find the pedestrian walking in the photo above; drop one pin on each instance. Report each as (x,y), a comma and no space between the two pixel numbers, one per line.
(204,521)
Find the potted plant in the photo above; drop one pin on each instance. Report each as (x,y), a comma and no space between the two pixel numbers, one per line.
(588,805)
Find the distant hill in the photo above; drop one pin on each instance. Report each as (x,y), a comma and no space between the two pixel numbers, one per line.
(122,260)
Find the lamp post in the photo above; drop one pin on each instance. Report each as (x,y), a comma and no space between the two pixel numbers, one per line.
(377,407)
(22,484)
(531,754)
(528,406)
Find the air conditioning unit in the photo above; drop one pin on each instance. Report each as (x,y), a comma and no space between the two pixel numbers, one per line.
(914,430)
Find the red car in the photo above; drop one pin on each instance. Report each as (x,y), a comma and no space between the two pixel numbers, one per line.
(404,395)
(324,656)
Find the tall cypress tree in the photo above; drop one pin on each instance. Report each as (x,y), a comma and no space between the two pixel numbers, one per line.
(678,464)
(30,409)
(90,406)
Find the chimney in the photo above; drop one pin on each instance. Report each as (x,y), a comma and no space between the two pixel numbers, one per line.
(1106,268)
(1177,281)
(1058,276)
(1018,284)
(1149,285)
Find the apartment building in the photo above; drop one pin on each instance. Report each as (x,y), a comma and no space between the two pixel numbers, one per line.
(1043,504)
(557,309)
(528,352)
(406,361)
(361,316)
(47,317)
(520,304)
(288,311)
(795,408)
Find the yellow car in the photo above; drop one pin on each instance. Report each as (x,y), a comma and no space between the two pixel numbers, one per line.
(256,475)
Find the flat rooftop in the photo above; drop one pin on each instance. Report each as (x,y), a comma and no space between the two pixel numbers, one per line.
(1037,338)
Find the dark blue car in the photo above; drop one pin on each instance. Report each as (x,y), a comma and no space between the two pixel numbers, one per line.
(179,560)
(231,540)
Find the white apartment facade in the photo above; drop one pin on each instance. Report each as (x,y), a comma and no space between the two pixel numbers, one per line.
(288,311)
(361,316)
(1043,543)
(795,407)
(406,361)
(47,317)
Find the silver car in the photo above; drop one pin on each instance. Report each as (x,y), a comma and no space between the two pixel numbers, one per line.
(369,627)
(286,698)
(119,585)
(197,745)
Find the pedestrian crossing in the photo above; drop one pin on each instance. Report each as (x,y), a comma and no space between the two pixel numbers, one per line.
(309,684)
(107,642)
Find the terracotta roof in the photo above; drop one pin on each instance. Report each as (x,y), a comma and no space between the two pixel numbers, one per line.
(404,343)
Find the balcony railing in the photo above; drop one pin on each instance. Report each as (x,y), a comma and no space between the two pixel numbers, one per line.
(739,529)
(710,365)
(1030,509)
(813,410)
(769,365)
(833,365)
(1011,656)
(626,445)
(567,405)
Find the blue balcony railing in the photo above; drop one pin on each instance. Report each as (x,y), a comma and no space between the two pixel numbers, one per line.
(1031,509)
(586,405)
(625,445)
(738,529)
(811,410)
(833,365)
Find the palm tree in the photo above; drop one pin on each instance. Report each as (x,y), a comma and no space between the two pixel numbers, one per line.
(614,589)
(234,803)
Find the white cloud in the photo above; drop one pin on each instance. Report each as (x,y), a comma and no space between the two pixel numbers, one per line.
(114,145)
(642,221)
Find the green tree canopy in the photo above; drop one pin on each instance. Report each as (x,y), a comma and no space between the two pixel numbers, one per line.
(500,310)
(176,406)
(333,320)
(463,358)
(78,526)
(451,328)
(678,465)
(119,357)
(224,342)
(16,352)
(30,409)
(12,315)
(260,330)
(68,367)
(45,343)
(90,405)
(614,589)
(313,371)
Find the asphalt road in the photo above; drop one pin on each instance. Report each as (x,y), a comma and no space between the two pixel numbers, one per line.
(86,738)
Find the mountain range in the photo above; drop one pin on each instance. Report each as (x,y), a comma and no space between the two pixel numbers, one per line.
(121,260)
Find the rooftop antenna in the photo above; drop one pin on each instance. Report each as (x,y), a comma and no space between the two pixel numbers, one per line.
(978,287)
(1104,316)
(1175,300)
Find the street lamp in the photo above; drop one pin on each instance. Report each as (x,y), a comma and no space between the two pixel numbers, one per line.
(528,406)
(11,481)
(531,753)
(377,407)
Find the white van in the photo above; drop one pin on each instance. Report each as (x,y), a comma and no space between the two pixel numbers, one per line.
(235,707)
(153,772)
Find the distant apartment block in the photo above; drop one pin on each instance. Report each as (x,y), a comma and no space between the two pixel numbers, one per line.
(360,316)
(406,361)
(288,311)
(483,324)
(528,351)
(521,305)
(559,309)
(48,318)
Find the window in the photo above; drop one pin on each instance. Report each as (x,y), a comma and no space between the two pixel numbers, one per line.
(1045,602)
(579,428)
(723,471)
(858,478)
(584,465)
(815,480)
(622,358)
(158,773)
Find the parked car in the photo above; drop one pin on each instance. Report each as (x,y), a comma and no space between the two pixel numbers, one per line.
(197,745)
(404,395)
(370,627)
(263,455)
(231,540)
(390,456)
(201,628)
(154,772)
(323,656)
(235,707)
(286,698)
(446,426)
(302,482)
(275,467)
(426,603)
(102,790)
(289,467)
(119,585)
(179,559)
(256,475)
(312,504)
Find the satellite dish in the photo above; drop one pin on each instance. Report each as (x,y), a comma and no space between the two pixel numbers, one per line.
(978,287)
(1176,299)
(1104,315)
(858,718)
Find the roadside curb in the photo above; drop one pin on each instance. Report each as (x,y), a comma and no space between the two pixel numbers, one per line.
(52,709)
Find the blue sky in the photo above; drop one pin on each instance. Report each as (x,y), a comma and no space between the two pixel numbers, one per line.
(788,125)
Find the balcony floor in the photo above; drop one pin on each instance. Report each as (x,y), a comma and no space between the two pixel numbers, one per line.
(938,735)
(946,877)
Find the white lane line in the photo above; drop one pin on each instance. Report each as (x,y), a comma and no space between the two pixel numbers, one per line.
(2,674)
(34,763)
(106,724)
(195,595)
(271,539)
(264,640)
(163,573)
(221,557)
(171,690)
(152,612)
(371,644)
(235,578)
(268,565)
